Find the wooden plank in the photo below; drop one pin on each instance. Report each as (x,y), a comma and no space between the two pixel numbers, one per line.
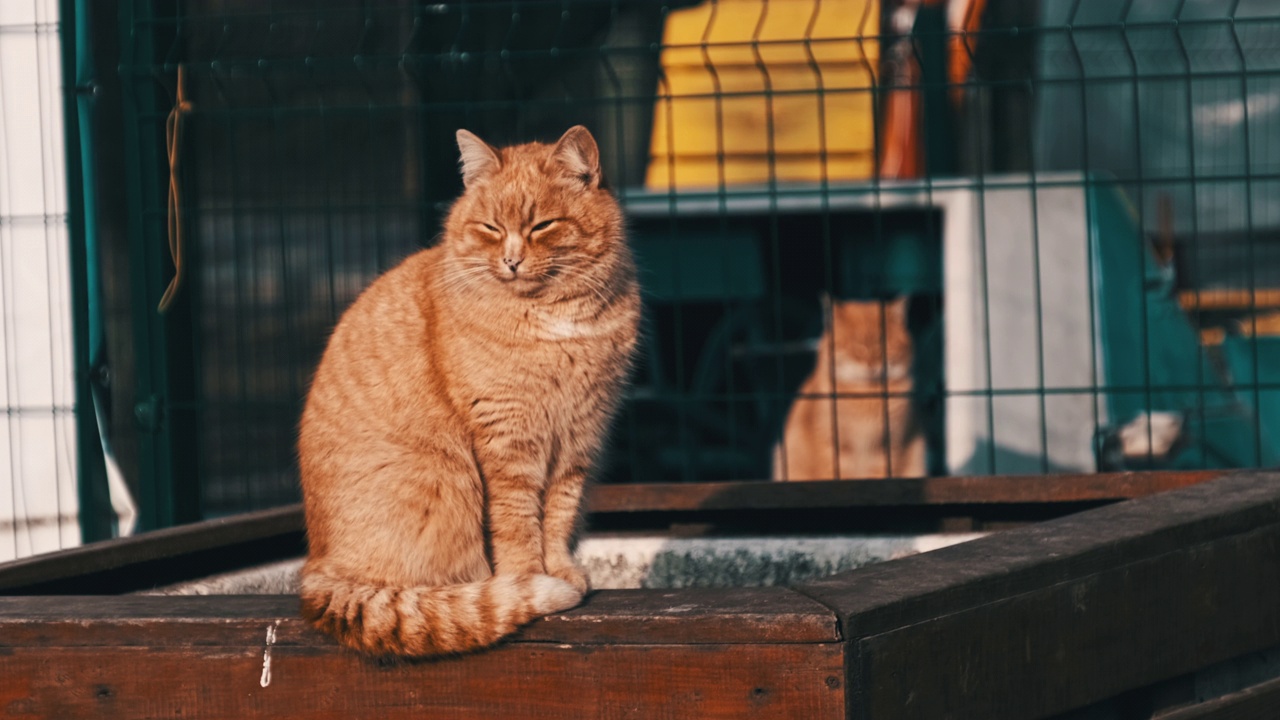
(888,595)
(1259,701)
(1066,645)
(161,557)
(524,680)
(1259,299)
(691,615)
(1006,489)
(1066,612)
(766,652)
(688,616)
(176,554)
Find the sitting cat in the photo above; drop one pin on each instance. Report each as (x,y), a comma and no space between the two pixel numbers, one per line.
(461,405)
(855,408)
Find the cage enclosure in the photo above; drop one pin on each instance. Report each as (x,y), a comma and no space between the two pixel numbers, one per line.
(1077,198)
(984,274)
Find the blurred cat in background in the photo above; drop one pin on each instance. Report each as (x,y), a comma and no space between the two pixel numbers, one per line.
(865,357)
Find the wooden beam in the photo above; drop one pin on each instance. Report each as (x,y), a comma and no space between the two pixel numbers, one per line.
(1068,645)
(524,680)
(1027,623)
(691,615)
(887,595)
(160,557)
(1259,299)
(1258,701)
(685,616)
(766,653)
(1040,620)
(981,490)
(176,554)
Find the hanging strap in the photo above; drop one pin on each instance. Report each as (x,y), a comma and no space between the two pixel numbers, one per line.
(173,141)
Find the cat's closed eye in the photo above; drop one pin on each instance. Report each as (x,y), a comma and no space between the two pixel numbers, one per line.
(543,225)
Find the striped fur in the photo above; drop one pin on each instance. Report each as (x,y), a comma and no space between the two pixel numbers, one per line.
(460,407)
(426,621)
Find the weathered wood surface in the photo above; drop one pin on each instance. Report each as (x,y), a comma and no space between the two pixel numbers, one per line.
(173,555)
(687,616)
(1259,702)
(1027,623)
(694,615)
(524,680)
(1043,619)
(161,556)
(767,653)
(983,490)
(889,595)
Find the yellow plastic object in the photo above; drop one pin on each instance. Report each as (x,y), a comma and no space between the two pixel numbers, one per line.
(770,85)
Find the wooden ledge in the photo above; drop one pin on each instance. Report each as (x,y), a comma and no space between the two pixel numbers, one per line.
(765,653)
(1031,622)
(161,556)
(635,617)
(1019,560)
(907,492)
(1043,619)
(173,555)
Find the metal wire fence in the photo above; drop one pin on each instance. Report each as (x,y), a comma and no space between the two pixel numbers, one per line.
(38,464)
(1079,198)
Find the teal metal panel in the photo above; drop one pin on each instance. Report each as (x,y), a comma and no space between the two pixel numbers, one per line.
(1152,357)
(700,265)
(95,514)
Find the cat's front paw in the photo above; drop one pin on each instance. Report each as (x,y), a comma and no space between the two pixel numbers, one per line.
(570,573)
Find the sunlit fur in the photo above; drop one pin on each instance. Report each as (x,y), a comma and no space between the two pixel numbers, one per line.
(460,406)
(866,356)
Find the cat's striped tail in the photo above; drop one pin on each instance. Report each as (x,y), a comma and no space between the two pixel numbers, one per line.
(426,621)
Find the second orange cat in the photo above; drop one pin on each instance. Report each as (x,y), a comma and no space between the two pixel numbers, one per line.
(853,416)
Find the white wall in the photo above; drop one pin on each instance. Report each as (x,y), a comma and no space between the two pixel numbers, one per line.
(38,505)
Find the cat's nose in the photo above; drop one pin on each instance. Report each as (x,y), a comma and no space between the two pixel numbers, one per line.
(512,263)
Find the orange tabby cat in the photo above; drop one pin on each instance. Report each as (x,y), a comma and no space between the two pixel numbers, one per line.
(461,405)
(875,435)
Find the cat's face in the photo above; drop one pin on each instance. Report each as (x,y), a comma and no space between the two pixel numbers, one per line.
(534,216)
(864,339)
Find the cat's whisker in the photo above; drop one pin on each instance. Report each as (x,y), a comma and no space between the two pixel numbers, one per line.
(460,276)
(598,286)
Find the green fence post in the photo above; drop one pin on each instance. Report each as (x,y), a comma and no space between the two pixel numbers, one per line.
(95,514)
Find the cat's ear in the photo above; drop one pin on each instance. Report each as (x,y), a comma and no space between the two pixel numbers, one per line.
(896,309)
(825,299)
(476,158)
(577,154)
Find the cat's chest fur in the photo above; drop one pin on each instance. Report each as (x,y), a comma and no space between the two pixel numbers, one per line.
(558,367)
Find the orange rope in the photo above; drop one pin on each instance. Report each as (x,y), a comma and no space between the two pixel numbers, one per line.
(901,151)
(962,41)
(173,136)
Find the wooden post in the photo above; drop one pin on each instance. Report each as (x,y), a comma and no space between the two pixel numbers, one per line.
(1047,618)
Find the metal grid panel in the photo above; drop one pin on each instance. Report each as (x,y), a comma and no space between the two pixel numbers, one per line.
(1078,196)
(38,505)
